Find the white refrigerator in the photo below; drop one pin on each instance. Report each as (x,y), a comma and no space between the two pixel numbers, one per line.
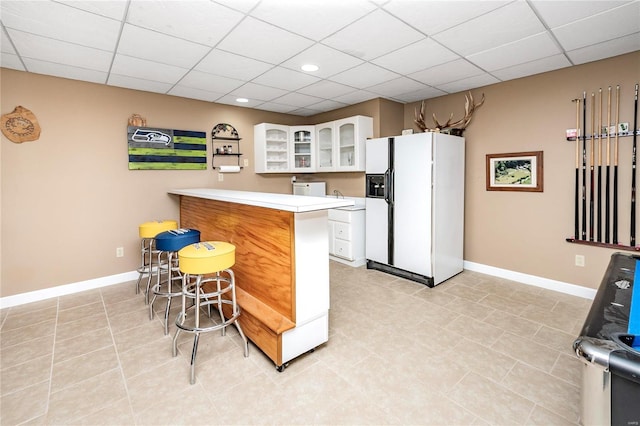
(415,206)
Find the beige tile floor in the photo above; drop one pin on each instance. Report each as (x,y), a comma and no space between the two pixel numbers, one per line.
(475,350)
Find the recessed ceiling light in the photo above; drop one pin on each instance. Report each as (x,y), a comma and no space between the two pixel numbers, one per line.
(242,100)
(309,67)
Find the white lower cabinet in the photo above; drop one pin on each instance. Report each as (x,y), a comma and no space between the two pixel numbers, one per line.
(346,236)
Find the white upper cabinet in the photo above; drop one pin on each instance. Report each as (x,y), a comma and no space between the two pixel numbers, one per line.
(303,155)
(325,141)
(271,148)
(336,146)
(351,134)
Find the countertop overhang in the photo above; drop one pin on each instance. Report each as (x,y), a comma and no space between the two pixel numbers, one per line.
(286,202)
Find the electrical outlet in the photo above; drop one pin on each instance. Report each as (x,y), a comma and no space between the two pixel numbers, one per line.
(246,162)
(120,252)
(220,177)
(579,260)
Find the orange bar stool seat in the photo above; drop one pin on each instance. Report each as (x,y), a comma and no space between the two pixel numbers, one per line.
(147,232)
(213,259)
(167,244)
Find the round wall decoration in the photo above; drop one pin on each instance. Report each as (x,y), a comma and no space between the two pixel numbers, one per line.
(20,125)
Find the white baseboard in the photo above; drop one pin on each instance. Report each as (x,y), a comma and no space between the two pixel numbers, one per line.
(62,290)
(562,287)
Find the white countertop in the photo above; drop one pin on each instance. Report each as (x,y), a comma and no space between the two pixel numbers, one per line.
(286,202)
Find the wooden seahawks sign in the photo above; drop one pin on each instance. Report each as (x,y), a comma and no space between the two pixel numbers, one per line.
(166,149)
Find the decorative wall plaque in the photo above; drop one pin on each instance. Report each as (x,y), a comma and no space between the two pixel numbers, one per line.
(20,125)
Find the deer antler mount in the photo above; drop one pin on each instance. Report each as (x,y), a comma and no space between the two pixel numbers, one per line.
(469,108)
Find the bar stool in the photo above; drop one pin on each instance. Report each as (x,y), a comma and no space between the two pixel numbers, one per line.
(167,244)
(210,258)
(148,232)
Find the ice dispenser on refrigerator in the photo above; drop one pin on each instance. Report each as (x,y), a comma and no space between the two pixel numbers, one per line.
(375,186)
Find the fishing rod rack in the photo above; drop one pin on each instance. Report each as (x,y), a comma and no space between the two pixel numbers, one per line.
(589,206)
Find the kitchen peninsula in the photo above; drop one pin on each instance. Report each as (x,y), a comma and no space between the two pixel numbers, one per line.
(282,262)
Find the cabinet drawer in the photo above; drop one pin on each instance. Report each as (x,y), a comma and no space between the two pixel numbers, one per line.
(342,231)
(344,249)
(340,215)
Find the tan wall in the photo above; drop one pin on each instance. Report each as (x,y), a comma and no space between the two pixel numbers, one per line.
(68,199)
(526,232)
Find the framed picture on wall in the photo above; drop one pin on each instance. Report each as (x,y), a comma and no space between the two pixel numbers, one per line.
(519,171)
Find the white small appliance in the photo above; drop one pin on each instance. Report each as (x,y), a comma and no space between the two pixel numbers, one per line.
(314,189)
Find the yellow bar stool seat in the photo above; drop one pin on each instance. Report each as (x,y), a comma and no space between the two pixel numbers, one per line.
(214,260)
(147,232)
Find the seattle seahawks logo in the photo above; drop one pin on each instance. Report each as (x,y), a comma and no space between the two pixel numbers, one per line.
(151,136)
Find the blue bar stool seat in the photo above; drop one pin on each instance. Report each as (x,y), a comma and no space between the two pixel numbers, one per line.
(215,259)
(167,244)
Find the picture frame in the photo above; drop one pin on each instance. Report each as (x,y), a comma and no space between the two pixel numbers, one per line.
(518,171)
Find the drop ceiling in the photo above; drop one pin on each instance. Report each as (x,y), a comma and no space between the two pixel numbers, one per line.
(219,51)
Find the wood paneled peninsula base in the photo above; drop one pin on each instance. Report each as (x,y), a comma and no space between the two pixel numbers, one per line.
(282,262)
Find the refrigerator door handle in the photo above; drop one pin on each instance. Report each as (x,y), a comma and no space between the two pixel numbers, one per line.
(388,186)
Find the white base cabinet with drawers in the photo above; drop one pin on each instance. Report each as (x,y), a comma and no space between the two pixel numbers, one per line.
(346,235)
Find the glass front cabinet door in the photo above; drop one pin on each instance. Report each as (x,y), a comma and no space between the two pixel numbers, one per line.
(271,148)
(351,135)
(303,148)
(325,141)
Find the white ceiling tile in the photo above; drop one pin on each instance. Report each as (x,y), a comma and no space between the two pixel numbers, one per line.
(374,35)
(138,83)
(297,99)
(423,54)
(191,93)
(356,97)
(53,20)
(209,82)
(315,19)
(227,64)
(258,91)
(620,46)
(286,79)
(199,21)
(326,89)
(560,12)
(65,71)
(8,60)
(113,9)
(521,51)
(391,88)
(50,50)
(432,17)
(243,6)
(329,61)
(538,66)
(446,73)
(612,24)
(305,112)
(469,83)
(365,75)
(275,107)
(158,47)
(417,95)
(146,70)
(231,100)
(5,43)
(263,42)
(327,105)
(504,25)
